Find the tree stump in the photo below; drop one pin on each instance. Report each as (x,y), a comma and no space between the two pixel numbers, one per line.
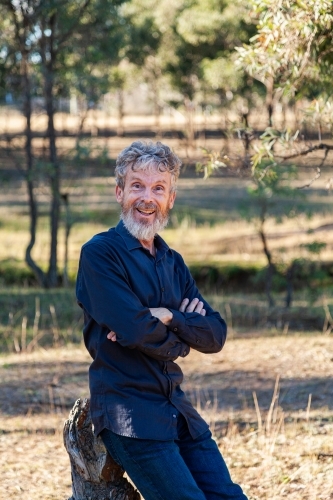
(95,475)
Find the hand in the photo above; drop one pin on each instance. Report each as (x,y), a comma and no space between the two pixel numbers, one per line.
(195,305)
(162,313)
(112,336)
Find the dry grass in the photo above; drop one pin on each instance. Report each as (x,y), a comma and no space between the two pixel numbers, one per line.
(280,449)
(206,224)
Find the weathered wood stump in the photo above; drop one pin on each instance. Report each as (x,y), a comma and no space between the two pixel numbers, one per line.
(95,475)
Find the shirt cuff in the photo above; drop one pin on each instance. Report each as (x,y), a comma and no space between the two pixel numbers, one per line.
(178,323)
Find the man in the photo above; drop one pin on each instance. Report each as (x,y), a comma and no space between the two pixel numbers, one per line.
(142,310)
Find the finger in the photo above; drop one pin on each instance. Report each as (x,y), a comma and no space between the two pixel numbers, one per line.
(183,305)
(192,305)
(203,312)
(112,336)
(199,307)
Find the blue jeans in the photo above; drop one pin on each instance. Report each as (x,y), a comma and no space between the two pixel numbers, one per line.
(184,469)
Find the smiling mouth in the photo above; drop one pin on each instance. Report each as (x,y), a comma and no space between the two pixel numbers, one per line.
(146,212)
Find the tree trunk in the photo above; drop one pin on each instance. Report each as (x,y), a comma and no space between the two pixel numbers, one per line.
(270,100)
(95,475)
(68,227)
(120,105)
(157,109)
(54,182)
(33,213)
(271,266)
(49,55)
(290,283)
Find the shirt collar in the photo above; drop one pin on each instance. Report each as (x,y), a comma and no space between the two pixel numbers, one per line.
(132,243)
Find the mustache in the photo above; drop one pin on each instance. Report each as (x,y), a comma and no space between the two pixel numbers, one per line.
(145,206)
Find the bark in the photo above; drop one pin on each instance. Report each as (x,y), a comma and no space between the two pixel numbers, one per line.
(95,475)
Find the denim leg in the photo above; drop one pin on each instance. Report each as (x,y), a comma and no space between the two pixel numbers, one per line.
(204,460)
(155,467)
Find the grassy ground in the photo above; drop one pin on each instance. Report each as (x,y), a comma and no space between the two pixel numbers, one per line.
(32,317)
(269,400)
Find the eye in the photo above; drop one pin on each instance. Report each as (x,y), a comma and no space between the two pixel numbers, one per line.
(136,185)
(159,189)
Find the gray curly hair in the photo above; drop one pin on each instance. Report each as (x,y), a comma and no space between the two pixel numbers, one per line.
(141,155)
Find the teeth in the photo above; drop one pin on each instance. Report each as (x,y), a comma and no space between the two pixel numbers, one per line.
(146,211)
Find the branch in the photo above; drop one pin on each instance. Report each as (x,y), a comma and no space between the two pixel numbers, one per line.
(318,174)
(327,147)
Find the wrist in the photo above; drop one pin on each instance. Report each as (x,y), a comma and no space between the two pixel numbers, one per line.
(169,318)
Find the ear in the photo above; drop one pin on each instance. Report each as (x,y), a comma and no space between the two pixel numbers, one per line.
(172,199)
(119,194)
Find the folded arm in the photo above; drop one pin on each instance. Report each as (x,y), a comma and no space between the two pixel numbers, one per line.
(104,292)
(165,315)
(204,332)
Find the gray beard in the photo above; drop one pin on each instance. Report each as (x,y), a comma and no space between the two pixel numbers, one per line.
(140,230)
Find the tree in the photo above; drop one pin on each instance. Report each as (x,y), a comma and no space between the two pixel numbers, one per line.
(44,37)
(292,51)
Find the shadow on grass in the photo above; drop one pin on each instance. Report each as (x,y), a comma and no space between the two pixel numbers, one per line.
(41,387)
(234,390)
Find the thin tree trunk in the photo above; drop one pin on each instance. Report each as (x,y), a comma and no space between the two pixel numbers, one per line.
(290,283)
(270,100)
(33,212)
(190,121)
(157,109)
(68,226)
(120,104)
(48,57)
(247,138)
(95,475)
(271,266)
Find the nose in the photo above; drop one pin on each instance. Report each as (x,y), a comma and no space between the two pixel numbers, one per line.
(147,195)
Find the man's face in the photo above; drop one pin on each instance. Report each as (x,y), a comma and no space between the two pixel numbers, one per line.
(145,201)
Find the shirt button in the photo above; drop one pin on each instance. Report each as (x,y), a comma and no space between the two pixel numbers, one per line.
(162,289)
(174,416)
(168,352)
(175,329)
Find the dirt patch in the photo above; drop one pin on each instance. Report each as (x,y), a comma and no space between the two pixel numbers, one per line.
(283,453)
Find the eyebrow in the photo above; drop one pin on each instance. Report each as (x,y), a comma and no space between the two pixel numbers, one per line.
(162,181)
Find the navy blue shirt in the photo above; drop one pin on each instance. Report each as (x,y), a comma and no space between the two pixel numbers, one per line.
(135,382)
